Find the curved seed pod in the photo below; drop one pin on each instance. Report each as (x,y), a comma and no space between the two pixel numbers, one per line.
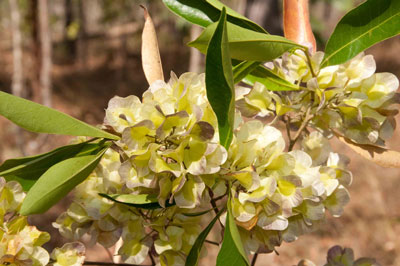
(151,60)
(296,23)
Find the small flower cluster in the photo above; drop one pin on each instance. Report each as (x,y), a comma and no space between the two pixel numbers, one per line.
(338,256)
(348,99)
(21,243)
(168,144)
(280,195)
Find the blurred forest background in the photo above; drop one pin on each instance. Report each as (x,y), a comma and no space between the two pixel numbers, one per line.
(74,55)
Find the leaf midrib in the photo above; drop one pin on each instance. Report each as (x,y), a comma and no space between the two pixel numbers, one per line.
(77,173)
(359,37)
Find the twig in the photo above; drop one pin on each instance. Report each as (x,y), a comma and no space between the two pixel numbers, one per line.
(153,262)
(110,255)
(253,261)
(307,118)
(211,242)
(310,63)
(101,263)
(287,124)
(214,205)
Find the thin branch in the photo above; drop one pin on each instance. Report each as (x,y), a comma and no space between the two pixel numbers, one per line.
(153,262)
(212,242)
(214,205)
(101,263)
(310,63)
(304,124)
(254,260)
(110,255)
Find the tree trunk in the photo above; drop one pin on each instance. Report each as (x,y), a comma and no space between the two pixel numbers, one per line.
(266,13)
(45,51)
(82,50)
(196,58)
(17,77)
(69,19)
(35,64)
(17,86)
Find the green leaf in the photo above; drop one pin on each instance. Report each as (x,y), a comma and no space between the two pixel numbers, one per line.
(27,170)
(206,12)
(246,44)
(371,22)
(57,181)
(194,214)
(144,201)
(193,257)
(219,81)
(41,119)
(242,69)
(232,251)
(269,79)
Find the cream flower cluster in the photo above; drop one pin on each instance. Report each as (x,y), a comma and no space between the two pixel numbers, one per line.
(280,195)
(169,143)
(168,139)
(167,229)
(350,99)
(169,149)
(21,244)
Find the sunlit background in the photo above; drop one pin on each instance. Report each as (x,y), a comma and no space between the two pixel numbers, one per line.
(75,55)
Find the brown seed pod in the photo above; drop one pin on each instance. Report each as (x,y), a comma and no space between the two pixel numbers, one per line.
(296,23)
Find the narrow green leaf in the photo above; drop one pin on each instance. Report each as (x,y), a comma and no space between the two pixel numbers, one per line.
(144,201)
(245,44)
(27,170)
(242,69)
(194,214)
(269,79)
(206,12)
(57,181)
(41,119)
(219,81)
(232,251)
(371,22)
(236,18)
(193,257)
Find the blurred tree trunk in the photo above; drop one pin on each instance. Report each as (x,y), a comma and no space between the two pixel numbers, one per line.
(17,77)
(267,13)
(240,6)
(69,20)
(34,73)
(45,51)
(17,86)
(82,50)
(196,58)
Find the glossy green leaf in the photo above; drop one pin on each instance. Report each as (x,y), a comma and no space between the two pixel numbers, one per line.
(242,69)
(232,251)
(269,79)
(57,181)
(193,257)
(245,44)
(144,201)
(27,170)
(41,119)
(371,22)
(219,81)
(206,12)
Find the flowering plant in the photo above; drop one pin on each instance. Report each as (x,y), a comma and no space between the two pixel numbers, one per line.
(207,143)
